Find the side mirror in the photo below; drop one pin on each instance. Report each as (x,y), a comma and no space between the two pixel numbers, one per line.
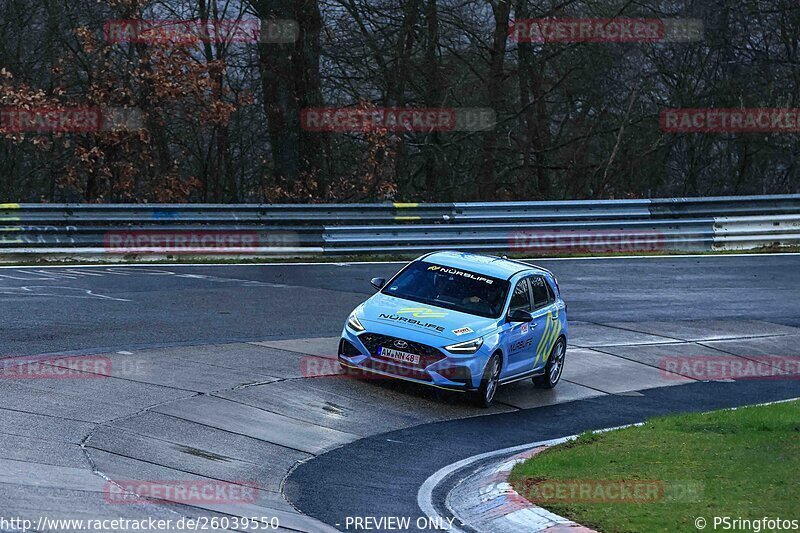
(518,315)
(378,283)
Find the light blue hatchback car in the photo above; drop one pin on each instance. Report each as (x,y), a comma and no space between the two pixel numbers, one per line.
(462,322)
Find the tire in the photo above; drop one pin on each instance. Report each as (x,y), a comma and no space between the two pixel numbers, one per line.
(554,367)
(490,381)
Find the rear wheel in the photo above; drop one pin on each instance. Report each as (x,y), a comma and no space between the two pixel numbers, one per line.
(554,366)
(490,381)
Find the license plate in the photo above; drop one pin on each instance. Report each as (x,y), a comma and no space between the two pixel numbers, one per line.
(397,355)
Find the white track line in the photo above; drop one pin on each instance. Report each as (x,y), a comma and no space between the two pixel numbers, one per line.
(425,493)
(346,263)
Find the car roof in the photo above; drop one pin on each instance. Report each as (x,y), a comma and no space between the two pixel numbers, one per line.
(497,267)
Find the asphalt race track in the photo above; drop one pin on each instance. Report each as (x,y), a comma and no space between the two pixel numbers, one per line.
(228,373)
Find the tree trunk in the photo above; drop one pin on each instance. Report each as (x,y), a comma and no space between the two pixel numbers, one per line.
(314,146)
(535,176)
(433,98)
(396,87)
(485,183)
(280,99)
(291,81)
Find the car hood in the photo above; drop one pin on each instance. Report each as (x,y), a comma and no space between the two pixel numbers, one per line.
(382,313)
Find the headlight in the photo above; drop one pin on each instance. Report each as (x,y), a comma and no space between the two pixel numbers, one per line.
(465,347)
(353,323)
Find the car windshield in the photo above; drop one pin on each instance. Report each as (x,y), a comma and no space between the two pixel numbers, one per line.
(451,288)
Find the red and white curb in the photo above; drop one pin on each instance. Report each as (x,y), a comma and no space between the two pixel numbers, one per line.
(484,501)
(488,502)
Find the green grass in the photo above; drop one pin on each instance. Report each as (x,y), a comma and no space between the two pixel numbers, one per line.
(746,461)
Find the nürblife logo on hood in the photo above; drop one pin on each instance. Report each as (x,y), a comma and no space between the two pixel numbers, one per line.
(419,312)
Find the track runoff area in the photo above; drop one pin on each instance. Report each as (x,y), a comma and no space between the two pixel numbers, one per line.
(201,380)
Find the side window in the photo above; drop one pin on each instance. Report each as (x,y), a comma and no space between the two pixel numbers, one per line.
(551,296)
(541,298)
(520,298)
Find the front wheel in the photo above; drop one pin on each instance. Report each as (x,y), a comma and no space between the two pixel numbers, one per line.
(484,396)
(554,366)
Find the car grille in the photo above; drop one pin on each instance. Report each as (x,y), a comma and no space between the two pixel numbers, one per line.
(427,354)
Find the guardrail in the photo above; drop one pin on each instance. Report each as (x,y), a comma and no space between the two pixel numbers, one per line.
(534,228)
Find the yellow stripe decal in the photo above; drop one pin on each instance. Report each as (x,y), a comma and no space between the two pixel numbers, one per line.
(551,332)
(553,338)
(545,333)
(9,206)
(408,218)
(399,205)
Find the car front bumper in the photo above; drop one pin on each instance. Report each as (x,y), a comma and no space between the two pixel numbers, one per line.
(454,372)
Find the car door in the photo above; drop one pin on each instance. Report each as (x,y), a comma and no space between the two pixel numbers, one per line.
(545,317)
(521,338)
